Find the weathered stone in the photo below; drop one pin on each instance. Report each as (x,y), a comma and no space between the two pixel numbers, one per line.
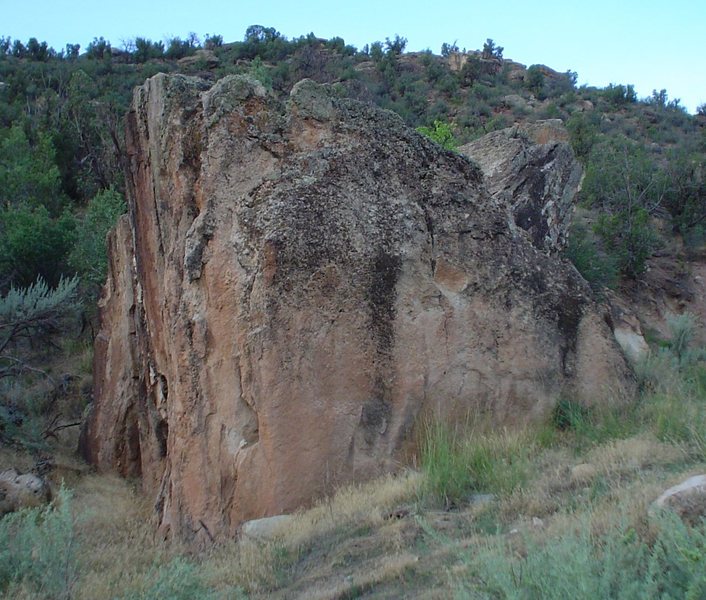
(18,491)
(533,171)
(688,499)
(295,285)
(627,329)
(267,528)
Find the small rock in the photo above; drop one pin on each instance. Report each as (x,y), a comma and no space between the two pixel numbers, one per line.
(537,523)
(688,499)
(266,529)
(18,491)
(478,499)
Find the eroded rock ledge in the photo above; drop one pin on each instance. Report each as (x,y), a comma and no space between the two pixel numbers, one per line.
(295,285)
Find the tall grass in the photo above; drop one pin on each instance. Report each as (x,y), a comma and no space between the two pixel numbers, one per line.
(458,461)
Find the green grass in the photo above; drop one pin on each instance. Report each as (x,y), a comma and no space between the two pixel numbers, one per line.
(459,461)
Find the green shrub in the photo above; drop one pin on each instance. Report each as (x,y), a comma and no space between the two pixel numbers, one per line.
(625,185)
(596,267)
(179,579)
(33,244)
(630,239)
(441,133)
(583,131)
(38,551)
(89,255)
(447,476)
(579,565)
(682,327)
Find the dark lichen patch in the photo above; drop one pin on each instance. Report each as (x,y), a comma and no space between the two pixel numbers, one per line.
(569,314)
(374,418)
(381,298)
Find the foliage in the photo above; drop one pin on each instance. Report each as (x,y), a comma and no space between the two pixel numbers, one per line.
(682,327)
(583,133)
(620,95)
(32,245)
(99,48)
(34,312)
(178,48)
(28,172)
(458,461)
(38,551)
(595,266)
(89,254)
(30,317)
(629,237)
(534,81)
(490,50)
(616,564)
(441,133)
(624,185)
(684,198)
(180,579)
(147,49)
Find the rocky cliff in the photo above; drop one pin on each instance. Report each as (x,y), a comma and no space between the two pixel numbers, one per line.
(295,285)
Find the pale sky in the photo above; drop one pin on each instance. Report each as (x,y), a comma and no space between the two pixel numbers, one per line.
(651,44)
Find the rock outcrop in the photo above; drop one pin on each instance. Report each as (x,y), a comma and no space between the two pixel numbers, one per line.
(532,169)
(295,286)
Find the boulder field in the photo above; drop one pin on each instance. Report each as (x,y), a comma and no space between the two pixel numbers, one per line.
(297,284)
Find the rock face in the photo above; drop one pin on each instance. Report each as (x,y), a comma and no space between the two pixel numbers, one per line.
(18,491)
(532,169)
(295,286)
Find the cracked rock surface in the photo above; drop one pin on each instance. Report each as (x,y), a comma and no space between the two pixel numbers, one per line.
(295,285)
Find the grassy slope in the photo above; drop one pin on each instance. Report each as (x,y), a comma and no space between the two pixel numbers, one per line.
(555,493)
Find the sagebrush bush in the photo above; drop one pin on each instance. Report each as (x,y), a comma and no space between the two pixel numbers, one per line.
(179,579)
(39,551)
(581,565)
(597,267)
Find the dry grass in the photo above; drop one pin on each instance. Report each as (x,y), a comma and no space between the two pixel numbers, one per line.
(117,537)
(264,566)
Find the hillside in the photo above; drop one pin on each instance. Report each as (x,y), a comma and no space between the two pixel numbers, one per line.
(290,245)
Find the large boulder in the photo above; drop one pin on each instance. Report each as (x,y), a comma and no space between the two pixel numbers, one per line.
(531,169)
(295,286)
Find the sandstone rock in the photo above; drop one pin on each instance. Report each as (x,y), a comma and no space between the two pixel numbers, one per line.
(295,285)
(533,171)
(18,491)
(627,329)
(688,499)
(267,528)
